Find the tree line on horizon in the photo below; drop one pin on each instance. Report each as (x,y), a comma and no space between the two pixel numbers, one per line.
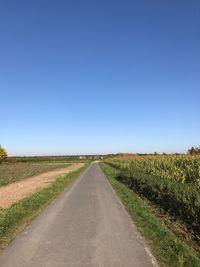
(192,151)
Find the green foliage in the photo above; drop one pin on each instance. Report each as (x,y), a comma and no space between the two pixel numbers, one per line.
(166,247)
(169,182)
(183,169)
(194,150)
(3,154)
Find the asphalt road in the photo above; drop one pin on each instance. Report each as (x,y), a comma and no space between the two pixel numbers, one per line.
(85,226)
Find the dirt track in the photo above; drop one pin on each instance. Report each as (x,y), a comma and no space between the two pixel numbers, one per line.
(12,193)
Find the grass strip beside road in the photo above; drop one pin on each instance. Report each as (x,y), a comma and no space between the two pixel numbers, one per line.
(165,246)
(17,216)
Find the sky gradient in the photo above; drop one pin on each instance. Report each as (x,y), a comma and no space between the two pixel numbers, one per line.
(92,77)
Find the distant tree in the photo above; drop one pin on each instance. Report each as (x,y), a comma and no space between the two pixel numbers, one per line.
(3,154)
(194,150)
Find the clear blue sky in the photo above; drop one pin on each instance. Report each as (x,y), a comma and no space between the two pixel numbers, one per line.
(79,77)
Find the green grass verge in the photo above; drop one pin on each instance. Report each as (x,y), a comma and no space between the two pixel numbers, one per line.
(165,246)
(17,216)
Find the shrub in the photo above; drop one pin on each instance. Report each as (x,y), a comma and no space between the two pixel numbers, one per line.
(3,154)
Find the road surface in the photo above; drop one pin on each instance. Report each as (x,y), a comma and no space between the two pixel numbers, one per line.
(85,226)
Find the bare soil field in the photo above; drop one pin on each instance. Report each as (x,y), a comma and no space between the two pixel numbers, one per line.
(12,193)
(11,172)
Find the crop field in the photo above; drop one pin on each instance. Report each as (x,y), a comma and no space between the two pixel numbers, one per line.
(11,172)
(172,183)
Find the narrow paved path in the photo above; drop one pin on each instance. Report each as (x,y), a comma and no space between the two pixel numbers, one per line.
(85,226)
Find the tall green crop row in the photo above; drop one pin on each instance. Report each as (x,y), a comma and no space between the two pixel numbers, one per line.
(183,169)
(170,182)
